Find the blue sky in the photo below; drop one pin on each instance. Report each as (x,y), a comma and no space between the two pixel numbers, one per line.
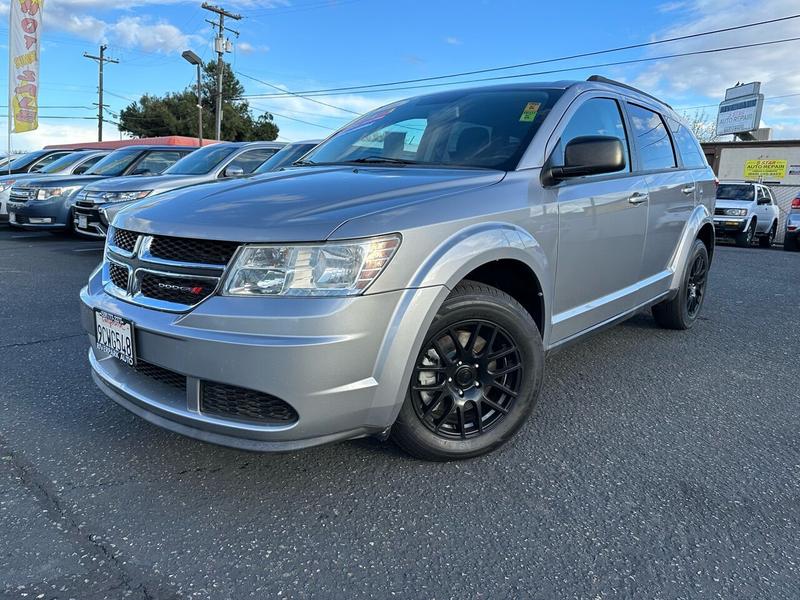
(312,44)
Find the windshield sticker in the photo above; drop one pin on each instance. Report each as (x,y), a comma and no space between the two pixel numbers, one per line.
(529,114)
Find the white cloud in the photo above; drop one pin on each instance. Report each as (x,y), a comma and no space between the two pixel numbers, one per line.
(59,132)
(688,79)
(248,48)
(453,41)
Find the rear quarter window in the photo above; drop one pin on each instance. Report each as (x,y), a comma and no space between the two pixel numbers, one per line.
(652,139)
(688,147)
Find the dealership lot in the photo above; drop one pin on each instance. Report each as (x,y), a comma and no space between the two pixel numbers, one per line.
(658,464)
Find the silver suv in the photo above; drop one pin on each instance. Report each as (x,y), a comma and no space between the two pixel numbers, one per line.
(408,276)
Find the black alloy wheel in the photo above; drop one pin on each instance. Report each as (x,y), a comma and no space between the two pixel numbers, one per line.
(696,286)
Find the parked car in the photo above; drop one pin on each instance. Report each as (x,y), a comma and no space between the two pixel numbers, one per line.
(792,233)
(286,156)
(744,211)
(74,163)
(410,277)
(46,202)
(32,162)
(100,201)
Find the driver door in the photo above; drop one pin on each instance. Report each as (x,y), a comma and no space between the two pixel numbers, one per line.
(602,225)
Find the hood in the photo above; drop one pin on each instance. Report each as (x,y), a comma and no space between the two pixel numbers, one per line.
(135,183)
(61,180)
(722,203)
(295,205)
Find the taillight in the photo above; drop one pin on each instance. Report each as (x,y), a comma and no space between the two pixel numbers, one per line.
(716,182)
(796,202)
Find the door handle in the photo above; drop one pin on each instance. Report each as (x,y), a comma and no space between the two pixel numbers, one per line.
(689,189)
(637,198)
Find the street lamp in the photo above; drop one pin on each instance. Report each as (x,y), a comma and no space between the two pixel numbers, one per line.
(193,59)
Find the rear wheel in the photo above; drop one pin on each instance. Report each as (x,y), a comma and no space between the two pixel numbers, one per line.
(745,238)
(682,311)
(476,379)
(765,241)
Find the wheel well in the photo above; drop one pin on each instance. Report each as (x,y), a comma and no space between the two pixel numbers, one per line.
(518,281)
(707,236)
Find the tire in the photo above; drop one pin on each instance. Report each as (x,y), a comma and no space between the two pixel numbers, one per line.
(682,311)
(460,407)
(765,241)
(790,242)
(745,238)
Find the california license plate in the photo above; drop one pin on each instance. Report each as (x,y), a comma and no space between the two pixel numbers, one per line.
(115,336)
(12,217)
(82,221)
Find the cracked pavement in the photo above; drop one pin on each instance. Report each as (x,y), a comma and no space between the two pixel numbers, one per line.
(657,464)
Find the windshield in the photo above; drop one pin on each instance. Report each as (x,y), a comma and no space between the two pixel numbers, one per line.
(26,159)
(284,157)
(732,191)
(115,163)
(64,162)
(467,128)
(201,161)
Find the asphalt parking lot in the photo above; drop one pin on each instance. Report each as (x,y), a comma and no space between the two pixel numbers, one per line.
(657,465)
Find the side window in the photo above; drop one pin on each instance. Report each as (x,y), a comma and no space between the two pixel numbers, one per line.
(652,139)
(249,161)
(596,116)
(155,162)
(690,151)
(43,162)
(85,166)
(763,196)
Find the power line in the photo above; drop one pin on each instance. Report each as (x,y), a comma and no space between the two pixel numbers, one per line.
(549,60)
(307,95)
(289,93)
(294,119)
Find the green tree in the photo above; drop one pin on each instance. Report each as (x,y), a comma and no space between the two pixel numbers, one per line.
(175,113)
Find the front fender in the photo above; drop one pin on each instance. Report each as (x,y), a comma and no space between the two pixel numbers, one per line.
(700,217)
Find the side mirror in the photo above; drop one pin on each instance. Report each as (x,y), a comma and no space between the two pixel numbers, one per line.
(588,155)
(233,171)
(763,201)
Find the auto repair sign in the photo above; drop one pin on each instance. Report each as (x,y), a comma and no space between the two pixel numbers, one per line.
(24,37)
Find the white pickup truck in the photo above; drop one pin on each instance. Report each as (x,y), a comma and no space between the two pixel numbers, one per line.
(746,210)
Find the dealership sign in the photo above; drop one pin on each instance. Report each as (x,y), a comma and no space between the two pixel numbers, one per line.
(24,37)
(740,112)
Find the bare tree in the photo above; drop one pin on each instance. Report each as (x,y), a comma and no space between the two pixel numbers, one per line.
(703,127)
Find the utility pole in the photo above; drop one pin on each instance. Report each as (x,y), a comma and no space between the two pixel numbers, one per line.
(221,46)
(100,61)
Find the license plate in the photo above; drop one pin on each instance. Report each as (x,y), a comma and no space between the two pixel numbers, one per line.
(115,336)
(82,221)
(12,217)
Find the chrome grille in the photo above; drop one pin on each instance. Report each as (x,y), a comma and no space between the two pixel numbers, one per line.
(19,194)
(185,274)
(89,198)
(719,211)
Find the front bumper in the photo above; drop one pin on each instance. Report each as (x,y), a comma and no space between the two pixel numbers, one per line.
(40,214)
(341,363)
(90,220)
(727,226)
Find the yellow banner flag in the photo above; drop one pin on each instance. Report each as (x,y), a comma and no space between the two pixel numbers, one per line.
(24,35)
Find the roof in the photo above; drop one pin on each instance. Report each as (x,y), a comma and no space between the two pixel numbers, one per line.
(168,140)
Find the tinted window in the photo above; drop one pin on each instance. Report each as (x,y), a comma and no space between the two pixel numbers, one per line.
(51,158)
(157,161)
(115,163)
(652,139)
(691,154)
(596,116)
(472,128)
(64,162)
(735,191)
(20,162)
(88,164)
(202,161)
(252,159)
(284,157)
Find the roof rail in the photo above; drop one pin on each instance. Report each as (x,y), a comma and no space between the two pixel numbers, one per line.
(601,79)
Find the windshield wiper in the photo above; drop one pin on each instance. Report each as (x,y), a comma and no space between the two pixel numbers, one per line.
(303,163)
(383,159)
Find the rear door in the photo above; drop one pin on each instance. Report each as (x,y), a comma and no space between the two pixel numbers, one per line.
(671,189)
(763,209)
(602,223)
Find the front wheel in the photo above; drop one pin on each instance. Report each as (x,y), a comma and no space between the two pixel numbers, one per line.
(745,238)
(476,379)
(682,311)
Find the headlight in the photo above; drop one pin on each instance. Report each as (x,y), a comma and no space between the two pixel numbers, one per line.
(331,269)
(736,212)
(125,196)
(47,193)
